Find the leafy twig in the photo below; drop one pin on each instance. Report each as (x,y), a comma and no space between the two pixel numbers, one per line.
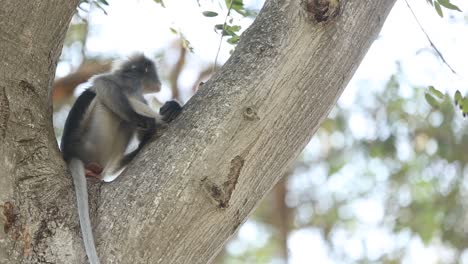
(222,35)
(429,39)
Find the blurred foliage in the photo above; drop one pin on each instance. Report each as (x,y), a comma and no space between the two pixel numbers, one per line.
(410,158)
(435,97)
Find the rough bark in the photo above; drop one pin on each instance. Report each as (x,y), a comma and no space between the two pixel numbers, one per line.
(190,189)
(37,213)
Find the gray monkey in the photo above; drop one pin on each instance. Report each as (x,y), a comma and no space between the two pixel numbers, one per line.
(100,125)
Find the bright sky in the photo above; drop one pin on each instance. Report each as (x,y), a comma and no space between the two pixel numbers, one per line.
(142,25)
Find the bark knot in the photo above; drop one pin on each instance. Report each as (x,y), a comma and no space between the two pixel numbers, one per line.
(322,10)
(28,87)
(222,194)
(250,114)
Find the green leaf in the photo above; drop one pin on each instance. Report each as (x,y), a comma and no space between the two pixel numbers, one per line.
(160,2)
(436,92)
(448,5)
(237,5)
(438,9)
(209,13)
(430,2)
(230,30)
(464,105)
(219,26)
(100,7)
(104,2)
(431,100)
(174,31)
(186,44)
(234,28)
(233,40)
(458,98)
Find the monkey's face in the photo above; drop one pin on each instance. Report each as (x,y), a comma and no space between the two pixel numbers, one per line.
(151,83)
(143,69)
(151,86)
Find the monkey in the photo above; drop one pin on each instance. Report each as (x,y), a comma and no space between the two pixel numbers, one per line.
(100,125)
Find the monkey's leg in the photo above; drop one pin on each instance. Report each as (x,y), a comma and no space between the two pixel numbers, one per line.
(144,133)
(169,111)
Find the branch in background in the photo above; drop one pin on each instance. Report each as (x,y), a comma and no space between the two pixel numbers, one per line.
(203,77)
(64,87)
(282,220)
(176,71)
(429,39)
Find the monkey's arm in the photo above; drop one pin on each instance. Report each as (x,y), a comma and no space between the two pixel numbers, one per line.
(116,99)
(144,135)
(169,111)
(142,108)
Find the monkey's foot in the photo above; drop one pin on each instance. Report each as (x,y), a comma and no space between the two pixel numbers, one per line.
(93,171)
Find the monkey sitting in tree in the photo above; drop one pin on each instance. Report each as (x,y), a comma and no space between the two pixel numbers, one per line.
(101,124)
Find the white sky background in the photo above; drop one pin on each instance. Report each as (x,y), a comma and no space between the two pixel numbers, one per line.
(142,25)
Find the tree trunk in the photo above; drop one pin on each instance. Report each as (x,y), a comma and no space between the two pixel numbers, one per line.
(37,210)
(191,188)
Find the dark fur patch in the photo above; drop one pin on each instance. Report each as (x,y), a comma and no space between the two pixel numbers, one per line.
(73,121)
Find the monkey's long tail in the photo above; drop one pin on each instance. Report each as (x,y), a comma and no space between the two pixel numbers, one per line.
(79,180)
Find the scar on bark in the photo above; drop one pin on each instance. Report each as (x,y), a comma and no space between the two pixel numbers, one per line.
(4,112)
(9,216)
(222,194)
(27,240)
(322,10)
(12,226)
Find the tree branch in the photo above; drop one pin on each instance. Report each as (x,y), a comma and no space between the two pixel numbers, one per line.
(192,188)
(63,88)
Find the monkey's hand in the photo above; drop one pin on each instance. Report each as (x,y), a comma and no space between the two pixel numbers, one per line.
(170,110)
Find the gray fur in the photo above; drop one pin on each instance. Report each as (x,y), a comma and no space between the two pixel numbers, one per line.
(100,130)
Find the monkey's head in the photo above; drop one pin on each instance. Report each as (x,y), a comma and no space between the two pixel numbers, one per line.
(143,69)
